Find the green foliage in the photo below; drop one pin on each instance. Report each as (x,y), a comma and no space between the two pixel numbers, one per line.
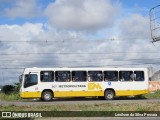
(10,92)
(140,106)
(155,94)
(9,97)
(9,89)
(17,87)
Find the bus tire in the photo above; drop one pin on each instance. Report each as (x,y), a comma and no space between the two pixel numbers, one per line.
(139,96)
(101,98)
(47,96)
(109,95)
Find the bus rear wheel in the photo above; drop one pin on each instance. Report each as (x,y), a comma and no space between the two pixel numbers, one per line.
(109,95)
(47,96)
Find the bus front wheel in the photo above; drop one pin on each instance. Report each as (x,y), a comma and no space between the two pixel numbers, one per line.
(109,95)
(47,96)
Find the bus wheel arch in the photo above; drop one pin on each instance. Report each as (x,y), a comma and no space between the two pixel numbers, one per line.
(47,95)
(109,94)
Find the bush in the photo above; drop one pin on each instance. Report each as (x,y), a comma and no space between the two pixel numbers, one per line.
(7,89)
(10,92)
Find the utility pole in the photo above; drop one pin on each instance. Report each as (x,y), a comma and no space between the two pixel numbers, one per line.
(150,72)
(154,14)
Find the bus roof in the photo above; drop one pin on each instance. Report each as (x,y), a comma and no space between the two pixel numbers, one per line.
(85,68)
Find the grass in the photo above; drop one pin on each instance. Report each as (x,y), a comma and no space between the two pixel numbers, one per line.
(155,94)
(85,110)
(149,106)
(9,97)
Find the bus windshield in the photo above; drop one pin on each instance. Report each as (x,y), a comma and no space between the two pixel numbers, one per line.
(30,80)
(20,79)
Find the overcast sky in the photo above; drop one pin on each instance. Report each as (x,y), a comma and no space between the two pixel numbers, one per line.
(75,33)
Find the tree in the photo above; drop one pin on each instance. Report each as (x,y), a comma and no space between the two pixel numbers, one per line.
(17,87)
(7,89)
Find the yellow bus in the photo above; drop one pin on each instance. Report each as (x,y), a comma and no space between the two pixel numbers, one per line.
(48,83)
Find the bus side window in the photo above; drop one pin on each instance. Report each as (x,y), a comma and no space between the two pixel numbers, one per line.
(62,76)
(139,75)
(79,76)
(95,76)
(126,75)
(110,76)
(47,76)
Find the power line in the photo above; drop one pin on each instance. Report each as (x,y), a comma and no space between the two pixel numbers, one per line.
(67,53)
(72,40)
(61,65)
(65,64)
(76,61)
(11,68)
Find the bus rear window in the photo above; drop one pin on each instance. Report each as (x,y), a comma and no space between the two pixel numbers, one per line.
(126,75)
(139,75)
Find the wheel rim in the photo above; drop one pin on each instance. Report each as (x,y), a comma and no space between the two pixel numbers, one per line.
(47,96)
(109,95)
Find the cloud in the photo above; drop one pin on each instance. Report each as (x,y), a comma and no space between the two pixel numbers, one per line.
(22,9)
(25,32)
(82,15)
(117,52)
(64,34)
(134,26)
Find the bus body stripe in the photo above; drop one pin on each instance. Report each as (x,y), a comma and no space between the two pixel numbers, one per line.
(30,94)
(130,92)
(83,93)
(78,93)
